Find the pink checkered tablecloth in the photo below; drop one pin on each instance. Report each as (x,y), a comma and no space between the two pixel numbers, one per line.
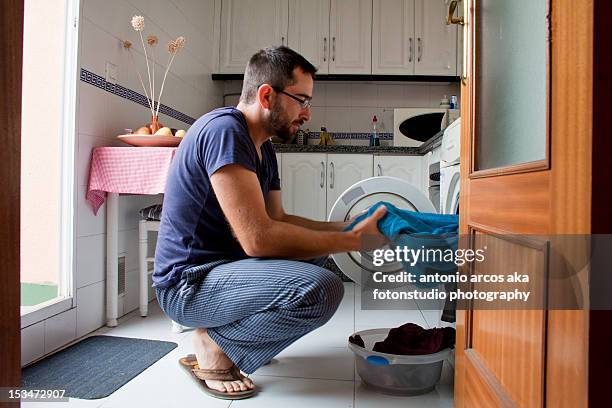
(127,170)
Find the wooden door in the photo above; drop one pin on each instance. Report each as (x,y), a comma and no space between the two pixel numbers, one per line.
(520,190)
(309,31)
(436,42)
(393,43)
(11,39)
(304,184)
(350,28)
(248,26)
(344,170)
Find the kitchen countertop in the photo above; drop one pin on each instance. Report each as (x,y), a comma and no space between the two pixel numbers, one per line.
(434,142)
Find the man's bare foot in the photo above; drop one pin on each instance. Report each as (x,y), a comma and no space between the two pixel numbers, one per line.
(210,356)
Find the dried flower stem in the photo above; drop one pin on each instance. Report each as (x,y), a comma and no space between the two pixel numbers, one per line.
(148,69)
(164,81)
(149,100)
(153,73)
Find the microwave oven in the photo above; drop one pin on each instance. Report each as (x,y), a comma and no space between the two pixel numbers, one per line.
(414,126)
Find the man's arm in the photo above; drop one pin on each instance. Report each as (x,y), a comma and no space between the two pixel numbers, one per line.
(275,210)
(242,202)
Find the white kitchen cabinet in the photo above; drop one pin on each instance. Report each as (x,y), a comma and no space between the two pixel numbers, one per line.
(304,184)
(436,42)
(407,168)
(309,31)
(393,41)
(248,26)
(344,170)
(350,30)
(312,182)
(410,37)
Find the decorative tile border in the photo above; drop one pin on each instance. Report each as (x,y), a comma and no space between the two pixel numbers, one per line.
(100,82)
(351,135)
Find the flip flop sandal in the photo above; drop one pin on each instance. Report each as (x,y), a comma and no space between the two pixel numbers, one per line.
(190,364)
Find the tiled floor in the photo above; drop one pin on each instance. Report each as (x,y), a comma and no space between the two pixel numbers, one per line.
(316,371)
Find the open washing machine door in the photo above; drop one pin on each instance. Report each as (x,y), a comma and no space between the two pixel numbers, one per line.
(358,265)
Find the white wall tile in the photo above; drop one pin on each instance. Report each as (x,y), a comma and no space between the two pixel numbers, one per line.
(363,94)
(92,110)
(124,114)
(391,95)
(90,259)
(87,222)
(86,144)
(131,300)
(361,119)
(317,119)
(199,14)
(438,91)
(338,119)
(338,94)
(32,342)
(97,46)
(91,309)
(319,94)
(386,120)
(417,96)
(59,330)
(128,243)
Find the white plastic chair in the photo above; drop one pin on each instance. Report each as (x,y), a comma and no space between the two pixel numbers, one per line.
(144,227)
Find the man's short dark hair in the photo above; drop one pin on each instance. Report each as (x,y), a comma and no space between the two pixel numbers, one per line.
(273,66)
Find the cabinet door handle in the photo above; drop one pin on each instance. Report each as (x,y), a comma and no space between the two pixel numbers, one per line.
(333,48)
(379,170)
(322,174)
(411,50)
(283,40)
(331,175)
(324,49)
(420,42)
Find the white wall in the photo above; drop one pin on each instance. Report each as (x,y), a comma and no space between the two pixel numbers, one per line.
(349,106)
(103,115)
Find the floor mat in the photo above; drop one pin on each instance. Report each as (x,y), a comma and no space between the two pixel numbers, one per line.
(94,367)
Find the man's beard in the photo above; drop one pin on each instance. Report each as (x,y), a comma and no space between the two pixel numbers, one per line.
(279,124)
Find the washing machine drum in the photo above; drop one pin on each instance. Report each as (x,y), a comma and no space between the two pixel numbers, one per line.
(358,265)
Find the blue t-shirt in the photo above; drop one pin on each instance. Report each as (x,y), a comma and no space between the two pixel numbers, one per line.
(193,228)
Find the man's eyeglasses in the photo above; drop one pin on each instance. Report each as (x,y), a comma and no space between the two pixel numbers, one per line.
(304,103)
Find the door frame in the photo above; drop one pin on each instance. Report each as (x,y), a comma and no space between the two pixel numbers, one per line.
(11,38)
(600,328)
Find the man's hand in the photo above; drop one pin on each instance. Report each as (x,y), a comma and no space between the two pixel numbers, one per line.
(370,235)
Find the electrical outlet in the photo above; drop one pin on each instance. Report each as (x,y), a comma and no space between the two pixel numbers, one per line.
(112,73)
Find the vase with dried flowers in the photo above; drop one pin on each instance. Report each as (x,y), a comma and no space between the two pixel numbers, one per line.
(174,46)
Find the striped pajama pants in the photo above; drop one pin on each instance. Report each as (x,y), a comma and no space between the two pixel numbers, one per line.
(254,308)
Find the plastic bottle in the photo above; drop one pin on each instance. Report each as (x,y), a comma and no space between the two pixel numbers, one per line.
(323,137)
(444,103)
(374,140)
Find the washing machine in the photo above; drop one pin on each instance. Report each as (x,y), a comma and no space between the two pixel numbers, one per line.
(358,265)
(449,169)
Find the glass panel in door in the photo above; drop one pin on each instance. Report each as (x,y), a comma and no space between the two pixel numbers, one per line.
(511,76)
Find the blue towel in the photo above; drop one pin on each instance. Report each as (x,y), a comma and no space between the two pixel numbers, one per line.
(416,230)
